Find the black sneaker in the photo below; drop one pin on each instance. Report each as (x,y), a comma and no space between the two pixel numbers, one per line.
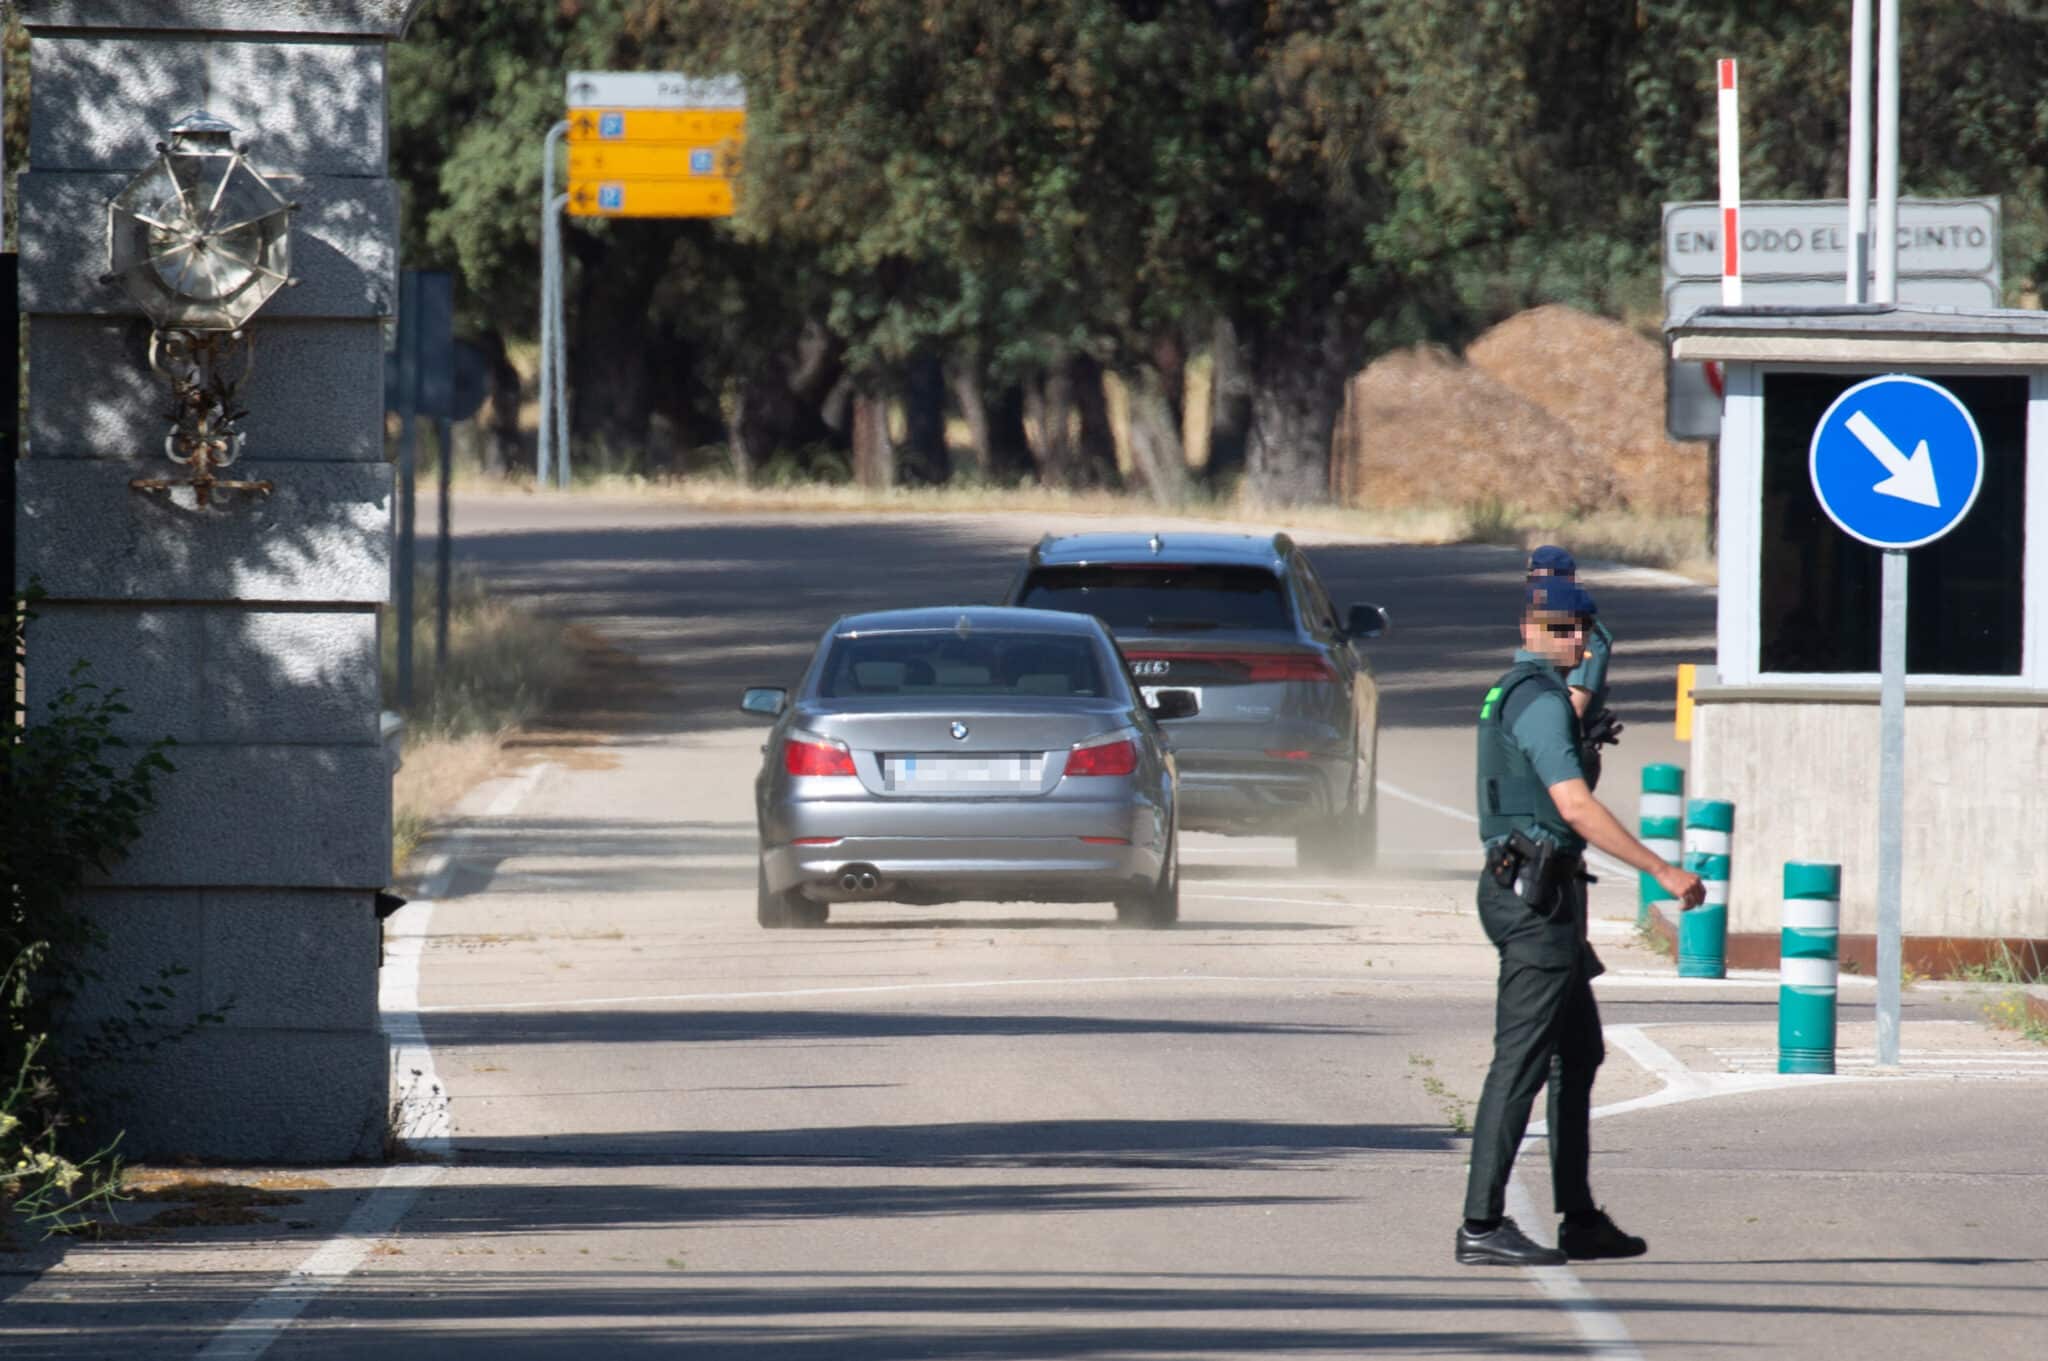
(1597,1236)
(1504,1246)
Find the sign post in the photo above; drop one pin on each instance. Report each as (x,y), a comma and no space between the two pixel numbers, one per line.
(641,144)
(1875,491)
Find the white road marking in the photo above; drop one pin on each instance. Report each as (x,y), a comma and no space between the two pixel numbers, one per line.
(1599,1326)
(423,1113)
(1978,1065)
(1600,859)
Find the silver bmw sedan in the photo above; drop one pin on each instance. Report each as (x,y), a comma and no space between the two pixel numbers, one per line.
(967,753)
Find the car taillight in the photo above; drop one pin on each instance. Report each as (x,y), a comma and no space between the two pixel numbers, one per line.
(816,756)
(1287,667)
(1105,756)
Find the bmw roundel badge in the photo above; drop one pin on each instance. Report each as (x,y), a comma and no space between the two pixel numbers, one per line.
(959,731)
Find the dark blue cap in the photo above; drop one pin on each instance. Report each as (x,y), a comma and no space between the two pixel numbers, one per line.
(1558,595)
(1551,558)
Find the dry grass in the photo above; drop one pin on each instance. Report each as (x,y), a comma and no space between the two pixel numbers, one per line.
(212,1204)
(435,772)
(503,664)
(1676,543)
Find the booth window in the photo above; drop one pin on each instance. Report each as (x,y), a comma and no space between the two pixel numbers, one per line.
(1820,598)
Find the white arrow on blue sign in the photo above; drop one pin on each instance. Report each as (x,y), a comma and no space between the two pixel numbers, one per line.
(1897,461)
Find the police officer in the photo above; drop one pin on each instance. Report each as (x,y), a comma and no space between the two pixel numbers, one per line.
(1588,680)
(1536,816)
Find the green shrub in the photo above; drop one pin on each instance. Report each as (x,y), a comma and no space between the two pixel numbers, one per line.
(73,794)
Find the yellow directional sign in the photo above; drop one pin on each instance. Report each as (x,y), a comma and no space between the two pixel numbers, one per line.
(657,125)
(710,196)
(652,160)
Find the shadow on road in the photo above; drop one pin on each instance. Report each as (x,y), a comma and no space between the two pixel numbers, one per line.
(592,1027)
(1242,1145)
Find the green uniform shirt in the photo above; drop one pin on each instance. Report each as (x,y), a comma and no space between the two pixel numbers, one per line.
(1544,730)
(1591,672)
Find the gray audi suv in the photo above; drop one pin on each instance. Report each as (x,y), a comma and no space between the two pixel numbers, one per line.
(1287,740)
(966,753)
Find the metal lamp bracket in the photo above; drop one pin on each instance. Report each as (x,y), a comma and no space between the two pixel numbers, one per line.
(200,240)
(206,369)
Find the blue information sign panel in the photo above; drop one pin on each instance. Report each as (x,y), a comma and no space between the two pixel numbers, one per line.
(1897,461)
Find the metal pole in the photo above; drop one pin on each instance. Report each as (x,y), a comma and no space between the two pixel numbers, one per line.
(561,334)
(548,268)
(444,435)
(1731,184)
(543,466)
(408,403)
(1858,273)
(1886,227)
(1891,802)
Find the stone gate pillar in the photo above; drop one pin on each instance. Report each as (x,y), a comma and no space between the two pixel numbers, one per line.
(247,629)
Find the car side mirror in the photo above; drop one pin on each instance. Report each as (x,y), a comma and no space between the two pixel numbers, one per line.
(1171,704)
(765,702)
(1366,621)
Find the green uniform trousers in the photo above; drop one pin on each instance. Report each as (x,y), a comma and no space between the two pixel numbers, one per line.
(1546,1031)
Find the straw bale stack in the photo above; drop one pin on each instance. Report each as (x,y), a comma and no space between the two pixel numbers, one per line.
(1422,427)
(1606,383)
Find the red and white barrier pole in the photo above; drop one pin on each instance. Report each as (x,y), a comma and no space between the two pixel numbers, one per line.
(1731,190)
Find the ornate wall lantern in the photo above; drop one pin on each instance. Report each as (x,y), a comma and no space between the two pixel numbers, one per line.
(200,241)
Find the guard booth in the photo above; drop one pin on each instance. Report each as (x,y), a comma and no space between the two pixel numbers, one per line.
(1786,724)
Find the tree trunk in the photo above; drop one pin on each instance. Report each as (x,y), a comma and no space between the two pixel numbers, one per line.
(756,428)
(1299,389)
(674,402)
(874,453)
(498,443)
(1230,407)
(1094,452)
(610,396)
(926,459)
(1009,444)
(1049,406)
(963,376)
(1170,358)
(1158,458)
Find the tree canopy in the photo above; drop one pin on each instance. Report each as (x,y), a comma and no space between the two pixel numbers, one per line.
(982,206)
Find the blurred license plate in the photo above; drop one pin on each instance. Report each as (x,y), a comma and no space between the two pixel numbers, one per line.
(992,772)
(1151,692)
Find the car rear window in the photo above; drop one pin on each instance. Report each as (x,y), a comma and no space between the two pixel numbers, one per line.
(946,664)
(1164,598)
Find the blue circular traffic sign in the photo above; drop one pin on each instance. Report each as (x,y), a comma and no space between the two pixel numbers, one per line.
(1897,461)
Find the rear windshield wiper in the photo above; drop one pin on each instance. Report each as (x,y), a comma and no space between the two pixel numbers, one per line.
(1162,621)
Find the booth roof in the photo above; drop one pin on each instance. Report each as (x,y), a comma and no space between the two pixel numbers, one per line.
(1866,331)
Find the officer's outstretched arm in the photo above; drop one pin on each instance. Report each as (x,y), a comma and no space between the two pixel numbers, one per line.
(1590,819)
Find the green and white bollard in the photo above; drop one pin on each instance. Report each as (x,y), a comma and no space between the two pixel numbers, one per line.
(1660,815)
(1808,966)
(1703,932)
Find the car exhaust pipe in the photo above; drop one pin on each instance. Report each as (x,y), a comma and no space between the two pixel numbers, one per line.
(859,878)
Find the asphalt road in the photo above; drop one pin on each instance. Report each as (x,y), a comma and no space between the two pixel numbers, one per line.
(1016,1132)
